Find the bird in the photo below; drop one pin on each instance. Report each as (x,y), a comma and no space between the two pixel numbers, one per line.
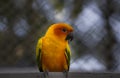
(53,52)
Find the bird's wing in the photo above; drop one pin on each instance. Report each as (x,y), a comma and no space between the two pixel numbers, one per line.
(38,54)
(68,55)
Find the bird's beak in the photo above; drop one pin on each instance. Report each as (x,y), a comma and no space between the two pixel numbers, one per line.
(69,37)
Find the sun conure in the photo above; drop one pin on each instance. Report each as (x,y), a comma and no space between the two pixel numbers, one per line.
(52,50)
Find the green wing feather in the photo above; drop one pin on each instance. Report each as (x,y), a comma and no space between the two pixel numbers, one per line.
(68,55)
(38,54)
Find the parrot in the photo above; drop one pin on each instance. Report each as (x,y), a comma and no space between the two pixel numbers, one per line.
(53,52)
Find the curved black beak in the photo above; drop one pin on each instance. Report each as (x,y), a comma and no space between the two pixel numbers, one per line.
(69,37)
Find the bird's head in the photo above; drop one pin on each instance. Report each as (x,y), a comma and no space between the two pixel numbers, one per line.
(61,31)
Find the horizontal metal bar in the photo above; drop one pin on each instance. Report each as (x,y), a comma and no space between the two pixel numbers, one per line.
(60,75)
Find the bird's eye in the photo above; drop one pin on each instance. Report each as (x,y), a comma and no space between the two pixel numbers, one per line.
(64,30)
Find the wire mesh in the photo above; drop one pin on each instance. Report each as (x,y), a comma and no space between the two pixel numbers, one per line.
(96,31)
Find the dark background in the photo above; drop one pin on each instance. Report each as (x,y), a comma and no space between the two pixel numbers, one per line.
(96,44)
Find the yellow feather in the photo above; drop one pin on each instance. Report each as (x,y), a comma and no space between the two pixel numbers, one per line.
(52,50)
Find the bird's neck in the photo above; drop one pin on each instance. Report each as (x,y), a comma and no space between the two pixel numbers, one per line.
(55,37)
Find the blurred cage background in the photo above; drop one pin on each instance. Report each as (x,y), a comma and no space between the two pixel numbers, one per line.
(96,44)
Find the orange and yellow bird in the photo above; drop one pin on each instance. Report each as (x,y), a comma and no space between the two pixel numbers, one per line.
(52,51)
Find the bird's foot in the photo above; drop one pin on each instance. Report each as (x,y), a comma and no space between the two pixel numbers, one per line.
(45,74)
(65,73)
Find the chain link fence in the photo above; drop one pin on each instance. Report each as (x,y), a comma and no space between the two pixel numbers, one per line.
(96,37)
